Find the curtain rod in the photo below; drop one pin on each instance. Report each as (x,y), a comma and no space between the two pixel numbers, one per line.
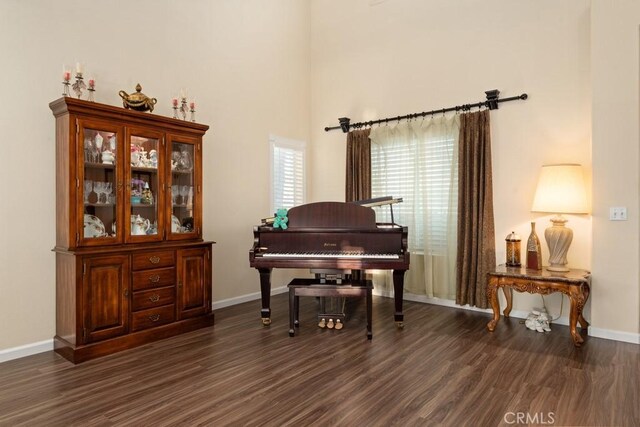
(491,103)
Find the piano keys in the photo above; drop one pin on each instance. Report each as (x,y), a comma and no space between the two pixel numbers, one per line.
(331,235)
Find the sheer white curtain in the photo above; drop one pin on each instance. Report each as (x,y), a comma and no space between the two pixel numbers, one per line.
(418,161)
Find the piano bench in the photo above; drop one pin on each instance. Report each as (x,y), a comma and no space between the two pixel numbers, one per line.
(313,288)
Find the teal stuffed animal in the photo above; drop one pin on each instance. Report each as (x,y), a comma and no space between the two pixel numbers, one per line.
(281,219)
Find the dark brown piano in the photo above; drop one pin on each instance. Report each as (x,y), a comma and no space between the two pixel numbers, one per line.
(330,235)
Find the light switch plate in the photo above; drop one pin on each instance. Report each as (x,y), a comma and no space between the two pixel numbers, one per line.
(618,214)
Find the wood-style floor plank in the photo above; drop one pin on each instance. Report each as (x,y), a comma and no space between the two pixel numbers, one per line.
(442,368)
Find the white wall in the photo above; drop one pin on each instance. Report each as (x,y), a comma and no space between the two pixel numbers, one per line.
(247,64)
(616,100)
(379,59)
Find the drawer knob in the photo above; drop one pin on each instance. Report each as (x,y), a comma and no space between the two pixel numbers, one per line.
(154,317)
(154,298)
(155,278)
(154,259)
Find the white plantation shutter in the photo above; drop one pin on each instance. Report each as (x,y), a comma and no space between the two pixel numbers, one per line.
(287,173)
(418,162)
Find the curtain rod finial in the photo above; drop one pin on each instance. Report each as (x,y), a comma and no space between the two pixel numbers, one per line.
(492,99)
(344,123)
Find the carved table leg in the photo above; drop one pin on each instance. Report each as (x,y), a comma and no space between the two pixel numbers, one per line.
(492,295)
(585,296)
(508,294)
(573,319)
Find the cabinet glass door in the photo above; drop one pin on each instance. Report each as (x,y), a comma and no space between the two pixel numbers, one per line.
(99,182)
(184,161)
(144,184)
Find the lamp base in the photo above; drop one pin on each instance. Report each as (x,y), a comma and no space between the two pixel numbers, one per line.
(558,239)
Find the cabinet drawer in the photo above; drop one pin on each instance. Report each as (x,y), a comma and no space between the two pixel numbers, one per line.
(153,317)
(153,298)
(157,259)
(157,278)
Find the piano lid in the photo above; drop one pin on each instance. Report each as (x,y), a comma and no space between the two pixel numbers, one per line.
(332,215)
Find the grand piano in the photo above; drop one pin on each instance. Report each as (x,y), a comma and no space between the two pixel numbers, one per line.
(331,235)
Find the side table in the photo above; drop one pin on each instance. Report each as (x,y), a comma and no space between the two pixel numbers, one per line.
(574,283)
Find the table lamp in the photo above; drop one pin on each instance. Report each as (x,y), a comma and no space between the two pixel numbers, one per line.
(560,190)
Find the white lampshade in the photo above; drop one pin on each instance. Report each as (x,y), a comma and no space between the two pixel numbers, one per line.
(561,189)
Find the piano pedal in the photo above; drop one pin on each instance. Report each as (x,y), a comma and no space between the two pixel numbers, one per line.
(322,323)
(339,325)
(330,324)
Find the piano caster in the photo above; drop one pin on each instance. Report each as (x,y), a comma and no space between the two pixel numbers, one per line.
(292,332)
(400,325)
(266,321)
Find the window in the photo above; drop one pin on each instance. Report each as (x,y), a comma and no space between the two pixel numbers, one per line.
(419,165)
(287,173)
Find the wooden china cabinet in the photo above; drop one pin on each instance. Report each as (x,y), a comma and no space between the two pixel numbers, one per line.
(131,264)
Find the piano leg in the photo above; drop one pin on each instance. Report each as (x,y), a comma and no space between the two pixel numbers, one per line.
(265,290)
(398,289)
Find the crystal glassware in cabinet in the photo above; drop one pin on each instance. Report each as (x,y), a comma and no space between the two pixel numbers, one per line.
(100,176)
(145,184)
(185,211)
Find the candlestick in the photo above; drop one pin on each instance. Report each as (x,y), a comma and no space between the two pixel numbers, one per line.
(66,76)
(79,85)
(183,108)
(91,89)
(193,112)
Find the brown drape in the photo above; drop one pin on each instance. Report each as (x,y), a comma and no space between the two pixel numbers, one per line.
(358,165)
(476,253)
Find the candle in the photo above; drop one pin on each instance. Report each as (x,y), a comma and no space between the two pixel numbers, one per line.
(174,101)
(92,83)
(192,105)
(78,68)
(66,75)
(182,95)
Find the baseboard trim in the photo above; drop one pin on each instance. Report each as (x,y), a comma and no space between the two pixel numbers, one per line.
(629,337)
(26,350)
(246,298)
(608,334)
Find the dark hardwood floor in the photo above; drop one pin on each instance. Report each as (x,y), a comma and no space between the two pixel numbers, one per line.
(443,368)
